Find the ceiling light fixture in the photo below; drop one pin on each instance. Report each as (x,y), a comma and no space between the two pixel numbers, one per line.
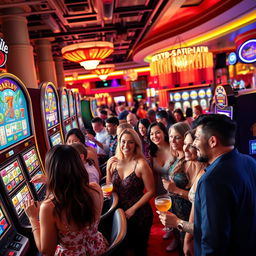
(102,71)
(88,54)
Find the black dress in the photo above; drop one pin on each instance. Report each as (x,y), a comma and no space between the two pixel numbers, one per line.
(129,191)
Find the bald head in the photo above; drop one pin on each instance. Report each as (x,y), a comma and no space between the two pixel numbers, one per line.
(132,119)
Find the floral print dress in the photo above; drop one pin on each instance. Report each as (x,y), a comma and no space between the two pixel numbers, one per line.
(86,242)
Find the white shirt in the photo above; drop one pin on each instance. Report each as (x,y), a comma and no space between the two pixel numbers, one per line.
(103,138)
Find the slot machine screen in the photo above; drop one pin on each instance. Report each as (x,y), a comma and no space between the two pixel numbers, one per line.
(94,107)
(31,160)
(12,175)
(71,104)
(38,185)
(51,111)
(14,116)
(64,105)
(252,147)
(19,199)
(228,111)
(78,105)
(68,127)
(74,124)
(56,139)
(4,224)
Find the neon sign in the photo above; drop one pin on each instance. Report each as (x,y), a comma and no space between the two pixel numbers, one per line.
(247,51)
(3,52)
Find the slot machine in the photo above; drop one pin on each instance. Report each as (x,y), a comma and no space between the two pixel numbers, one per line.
(11,242)
(19,156)
(47,116)
(64,111)
(238,105)
(190,97)
(78,111)
(72,109)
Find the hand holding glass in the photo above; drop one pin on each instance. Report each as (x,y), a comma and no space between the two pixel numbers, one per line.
(107,189)
(163,203)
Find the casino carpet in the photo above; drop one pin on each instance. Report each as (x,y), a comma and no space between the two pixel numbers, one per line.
(156,245)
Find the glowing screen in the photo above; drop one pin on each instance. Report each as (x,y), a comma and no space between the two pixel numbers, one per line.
(14,116)
(12,175)
(31,160)
(50,103)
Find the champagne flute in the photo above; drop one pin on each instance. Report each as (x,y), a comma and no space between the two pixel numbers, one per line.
(163,203)
(107,189)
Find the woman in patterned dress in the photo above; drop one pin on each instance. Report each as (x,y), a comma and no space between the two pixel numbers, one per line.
(70,214)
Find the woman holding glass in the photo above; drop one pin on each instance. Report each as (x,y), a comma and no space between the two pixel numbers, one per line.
(131,176)
(196,170)
(178,178)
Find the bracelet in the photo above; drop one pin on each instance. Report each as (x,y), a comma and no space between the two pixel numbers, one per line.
(35,228)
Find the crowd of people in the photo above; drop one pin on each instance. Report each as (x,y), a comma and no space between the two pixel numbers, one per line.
(145,154)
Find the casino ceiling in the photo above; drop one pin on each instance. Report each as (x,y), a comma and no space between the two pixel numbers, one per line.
(131,25)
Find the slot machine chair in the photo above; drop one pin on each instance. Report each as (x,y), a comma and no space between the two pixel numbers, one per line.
(116,235)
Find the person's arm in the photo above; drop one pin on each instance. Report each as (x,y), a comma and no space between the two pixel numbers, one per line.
(147,177)
(188,247)
(216,213)
(45,232)
(170,186)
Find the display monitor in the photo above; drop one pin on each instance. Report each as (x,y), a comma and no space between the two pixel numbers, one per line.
(51,110)
(68,127)
(4,223)
(64,105)
(38,185)
(119,99)
(74,124)
(108,83)
(252,147)
(71,104)
(56,139)
(31,160)
(19,198)
(11,175)
(14,114)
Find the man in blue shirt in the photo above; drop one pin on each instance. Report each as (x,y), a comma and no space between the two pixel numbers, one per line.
(225,203)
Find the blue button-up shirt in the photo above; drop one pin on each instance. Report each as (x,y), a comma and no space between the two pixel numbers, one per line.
(225,207)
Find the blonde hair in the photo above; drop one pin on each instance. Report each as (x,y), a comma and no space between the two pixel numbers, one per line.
(138,146)
(123,126)
(180,127)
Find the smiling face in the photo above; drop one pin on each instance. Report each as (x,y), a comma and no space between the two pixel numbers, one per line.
(201,145)
(97,127)
(188,148)
(176,140)
(127,144)
(156,135)
(142,130)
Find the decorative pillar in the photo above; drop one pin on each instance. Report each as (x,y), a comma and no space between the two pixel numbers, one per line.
(46,66)
(59,71)
(20,61)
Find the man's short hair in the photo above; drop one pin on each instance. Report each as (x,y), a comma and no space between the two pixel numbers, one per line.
(220,126)
(104,112)
(97,120)
(162,114)
(112,120)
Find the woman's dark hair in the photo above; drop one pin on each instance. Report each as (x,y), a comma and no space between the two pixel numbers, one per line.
(68,182)
(143,121)
(179,111)
(79,134)
(153,147)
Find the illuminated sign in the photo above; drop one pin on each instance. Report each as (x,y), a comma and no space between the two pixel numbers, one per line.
(180,51)
(232,58)
(3,52)
(247,51)
(220,96)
